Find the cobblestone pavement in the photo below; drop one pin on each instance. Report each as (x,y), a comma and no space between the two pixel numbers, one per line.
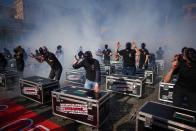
(122,109)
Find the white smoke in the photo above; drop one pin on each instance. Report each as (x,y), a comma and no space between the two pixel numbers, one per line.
(93,23)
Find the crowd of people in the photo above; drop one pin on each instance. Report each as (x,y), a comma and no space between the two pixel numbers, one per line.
(133,58)
(40,55)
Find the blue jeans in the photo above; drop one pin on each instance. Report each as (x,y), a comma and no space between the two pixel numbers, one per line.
(89,84)
(128,70)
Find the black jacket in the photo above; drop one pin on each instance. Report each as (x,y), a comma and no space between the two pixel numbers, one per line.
(92,68)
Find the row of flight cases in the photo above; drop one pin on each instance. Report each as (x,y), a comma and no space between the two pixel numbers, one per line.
(72,101)
(8,74)
(86,107)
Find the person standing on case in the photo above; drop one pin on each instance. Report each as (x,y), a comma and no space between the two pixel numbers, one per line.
(107,53)
(128,55)
(92,68)
(144,56)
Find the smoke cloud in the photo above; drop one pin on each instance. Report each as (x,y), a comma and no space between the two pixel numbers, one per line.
(93,23)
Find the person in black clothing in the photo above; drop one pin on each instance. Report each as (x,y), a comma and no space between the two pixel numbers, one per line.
(92,67)
(128,55)
(18,55)
(184,65)
(51,59)
(25,56)
(183,51)
(160,54)
(80,53)
(3,61)
(144,55)
(106,55)
(60,54)
(152,61)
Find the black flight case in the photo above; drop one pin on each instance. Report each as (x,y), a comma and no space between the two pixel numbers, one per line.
(81,105)
(153,116)
(37,88)
(6,75)
(129,85)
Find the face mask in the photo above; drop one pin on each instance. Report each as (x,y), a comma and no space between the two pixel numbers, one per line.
(191,55)
(88,56)
(128,46)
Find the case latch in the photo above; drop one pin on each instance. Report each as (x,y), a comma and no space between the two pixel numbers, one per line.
(134,88)
(57,97)
(89,105)
(148,121)
(166,87)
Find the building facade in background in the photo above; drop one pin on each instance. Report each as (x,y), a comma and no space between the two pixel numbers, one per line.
(20,18)
(13,26)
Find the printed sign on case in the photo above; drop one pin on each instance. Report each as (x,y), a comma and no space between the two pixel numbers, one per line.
(74,109)
(30,90)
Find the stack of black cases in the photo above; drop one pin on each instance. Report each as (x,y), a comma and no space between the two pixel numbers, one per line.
(78,76)
(148,74)
(81,105)
(165,93)
(150,77)
(129,85)
(117,67)
(105,70)
(11,64)
(37,88)
(109,70)
(153,116)
(6,75)
(160,66)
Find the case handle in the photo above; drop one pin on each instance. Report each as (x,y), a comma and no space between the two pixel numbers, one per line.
(184,117)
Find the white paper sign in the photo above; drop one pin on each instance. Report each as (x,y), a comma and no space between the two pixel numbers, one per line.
(30,90)
(74,109)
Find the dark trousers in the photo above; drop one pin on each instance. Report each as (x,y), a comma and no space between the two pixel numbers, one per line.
(184,98)
(128,70)
(106,62)
(55,73)
(143,66)
(20,67)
